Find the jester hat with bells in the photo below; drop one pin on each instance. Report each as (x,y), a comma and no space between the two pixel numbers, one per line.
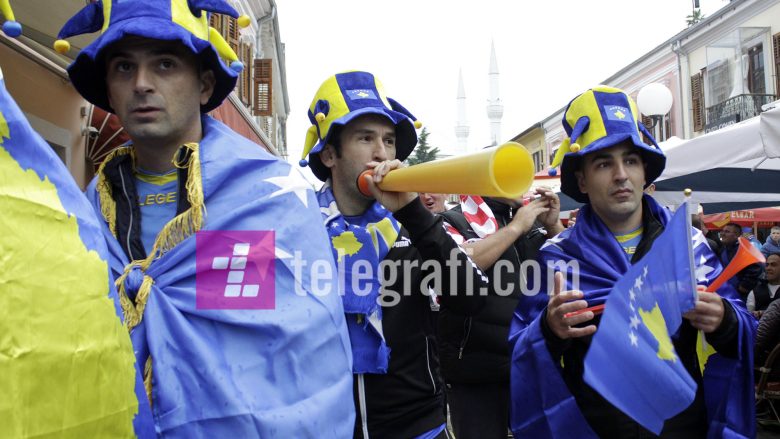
(185,21)
(344,97)
(600,118)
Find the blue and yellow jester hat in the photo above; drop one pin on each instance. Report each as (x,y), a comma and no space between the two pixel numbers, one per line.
(342,98)
(600,118)
(172,20)
(11,27)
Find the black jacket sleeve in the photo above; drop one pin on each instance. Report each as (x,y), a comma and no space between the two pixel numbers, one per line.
(459,281)
(768,333)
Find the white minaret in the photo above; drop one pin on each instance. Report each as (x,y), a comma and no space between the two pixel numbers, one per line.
(461,126)
(494,107)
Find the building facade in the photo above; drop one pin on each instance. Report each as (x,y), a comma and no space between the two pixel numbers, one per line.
(720,71)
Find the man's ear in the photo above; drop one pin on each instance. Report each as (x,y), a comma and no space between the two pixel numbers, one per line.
(207,83)
(580,181)
(328,156)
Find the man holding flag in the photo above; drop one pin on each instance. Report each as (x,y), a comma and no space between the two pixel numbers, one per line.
(204,231)
(555,392)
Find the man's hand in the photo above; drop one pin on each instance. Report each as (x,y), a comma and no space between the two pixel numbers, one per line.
(708,312)
(524,218)
(393,201)
(560,304)
(551,218)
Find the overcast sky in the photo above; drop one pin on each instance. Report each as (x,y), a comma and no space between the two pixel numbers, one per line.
(547,52)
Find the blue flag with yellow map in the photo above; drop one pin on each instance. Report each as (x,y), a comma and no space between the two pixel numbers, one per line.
(67,368)
(360,243)
(631,361)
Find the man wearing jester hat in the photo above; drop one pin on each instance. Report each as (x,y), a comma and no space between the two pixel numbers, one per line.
(605,164)
(390,248)
(217,362)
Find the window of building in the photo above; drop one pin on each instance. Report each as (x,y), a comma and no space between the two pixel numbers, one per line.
(263,87)
(697,97)
(245,55)
(755,73)
(227,26)
(736,82)
(776,52)
(538,158)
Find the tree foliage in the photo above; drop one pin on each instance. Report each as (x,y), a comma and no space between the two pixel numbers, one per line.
(694,17)
(423,153)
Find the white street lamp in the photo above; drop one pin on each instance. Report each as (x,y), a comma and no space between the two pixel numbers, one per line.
(655,100)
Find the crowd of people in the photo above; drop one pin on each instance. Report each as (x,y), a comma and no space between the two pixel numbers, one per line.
(437,315)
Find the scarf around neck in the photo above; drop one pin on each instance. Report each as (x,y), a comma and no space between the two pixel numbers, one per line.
(365,238)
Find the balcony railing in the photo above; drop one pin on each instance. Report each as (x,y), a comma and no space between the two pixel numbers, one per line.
(737,109)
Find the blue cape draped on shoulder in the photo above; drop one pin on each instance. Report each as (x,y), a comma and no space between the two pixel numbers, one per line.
(541,404)
(282,372)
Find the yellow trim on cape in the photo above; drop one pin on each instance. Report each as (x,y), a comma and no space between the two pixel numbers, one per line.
(175,231)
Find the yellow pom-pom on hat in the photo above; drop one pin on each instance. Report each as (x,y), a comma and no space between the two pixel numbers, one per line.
(62,46)
(575,147)
(244,21)
(417,124)
(319,117)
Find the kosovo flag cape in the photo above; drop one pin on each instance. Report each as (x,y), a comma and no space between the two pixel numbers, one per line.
(229,368)
(66,363)
(541,404)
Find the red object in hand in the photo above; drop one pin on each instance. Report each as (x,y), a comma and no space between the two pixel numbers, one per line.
(747,254)
(362,184)
(527,200)
(598,309)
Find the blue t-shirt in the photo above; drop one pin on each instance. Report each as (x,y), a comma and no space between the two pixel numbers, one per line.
(630,241)
(157,198)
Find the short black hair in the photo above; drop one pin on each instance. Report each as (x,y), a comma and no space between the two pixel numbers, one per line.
(696,221)
(735,225)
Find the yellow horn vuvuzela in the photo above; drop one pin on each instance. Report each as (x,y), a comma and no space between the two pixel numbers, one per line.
(505,171)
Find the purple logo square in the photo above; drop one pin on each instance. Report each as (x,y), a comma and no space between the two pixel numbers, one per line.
(235,270)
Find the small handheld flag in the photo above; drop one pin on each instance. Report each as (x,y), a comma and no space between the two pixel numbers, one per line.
(633,345)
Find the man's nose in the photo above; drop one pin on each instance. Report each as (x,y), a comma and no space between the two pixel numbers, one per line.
(620,172)
(143,80)
(380,152)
